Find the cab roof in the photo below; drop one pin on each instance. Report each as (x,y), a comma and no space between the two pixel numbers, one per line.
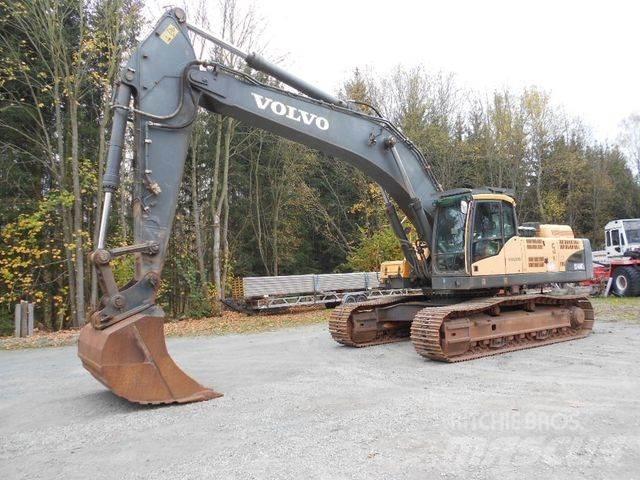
(483,193)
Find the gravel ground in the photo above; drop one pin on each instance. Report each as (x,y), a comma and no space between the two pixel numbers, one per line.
(299,406)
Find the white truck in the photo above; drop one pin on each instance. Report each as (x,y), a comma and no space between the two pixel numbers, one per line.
(619,262)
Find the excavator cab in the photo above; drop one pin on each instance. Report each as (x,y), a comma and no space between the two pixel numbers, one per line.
(470,227)
(477,244)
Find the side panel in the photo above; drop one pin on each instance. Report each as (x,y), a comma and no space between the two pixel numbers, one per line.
(514,255)
(508,260)
(532,255)
(537,253)
(543,260)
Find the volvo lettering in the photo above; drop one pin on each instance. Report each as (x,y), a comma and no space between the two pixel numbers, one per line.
(290,112)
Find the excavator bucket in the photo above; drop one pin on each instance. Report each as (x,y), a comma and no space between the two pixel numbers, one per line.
(131,359)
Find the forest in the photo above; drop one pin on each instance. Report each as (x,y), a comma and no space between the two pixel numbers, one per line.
(252,203)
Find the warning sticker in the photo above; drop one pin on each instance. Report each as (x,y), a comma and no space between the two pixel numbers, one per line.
(169,34)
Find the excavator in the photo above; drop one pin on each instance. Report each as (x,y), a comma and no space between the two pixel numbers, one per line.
(482,277)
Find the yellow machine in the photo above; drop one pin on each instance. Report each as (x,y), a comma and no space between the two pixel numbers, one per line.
(495,247)
(486,275)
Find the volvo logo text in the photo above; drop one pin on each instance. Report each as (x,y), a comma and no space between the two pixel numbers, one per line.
(290,112)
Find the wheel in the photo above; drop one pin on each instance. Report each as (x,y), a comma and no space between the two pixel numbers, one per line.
(349,299)
(362,298)
(626,282)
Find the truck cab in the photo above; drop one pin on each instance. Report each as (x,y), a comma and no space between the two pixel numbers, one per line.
(622,238)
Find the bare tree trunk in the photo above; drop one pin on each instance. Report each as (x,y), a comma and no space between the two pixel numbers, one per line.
(539,188)
(216,252)
(196,212)
(217,270)
(274,234)
(102,129)
(225,244)
(77,213)
(68,234)
(215,217)
(46,303)
(257,217)
(64,210)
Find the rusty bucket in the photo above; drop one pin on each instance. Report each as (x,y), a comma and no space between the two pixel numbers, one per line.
(131,359)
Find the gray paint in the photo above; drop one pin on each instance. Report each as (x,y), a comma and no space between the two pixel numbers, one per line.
(501,281)
(347,138)
(156,72)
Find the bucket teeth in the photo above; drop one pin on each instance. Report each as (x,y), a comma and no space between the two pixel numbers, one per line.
(131,359)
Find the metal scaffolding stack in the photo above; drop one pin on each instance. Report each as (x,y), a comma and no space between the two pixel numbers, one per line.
(265,293)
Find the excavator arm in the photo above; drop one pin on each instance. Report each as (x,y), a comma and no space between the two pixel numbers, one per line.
(123,345)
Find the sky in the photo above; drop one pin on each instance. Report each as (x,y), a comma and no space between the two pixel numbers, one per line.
(586,54)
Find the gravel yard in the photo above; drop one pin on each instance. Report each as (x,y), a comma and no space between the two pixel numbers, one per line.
(299,406)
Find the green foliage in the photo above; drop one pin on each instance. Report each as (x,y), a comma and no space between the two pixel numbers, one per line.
(198,301)
(554,208)
(27,245)
(6,321)
(373,249)
(53,55)
(123,269)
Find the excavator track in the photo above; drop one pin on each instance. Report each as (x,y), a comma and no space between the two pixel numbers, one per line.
(341,323)
(498,325)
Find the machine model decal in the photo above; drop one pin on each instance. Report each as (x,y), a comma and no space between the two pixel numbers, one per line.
(290,112)
(169,34)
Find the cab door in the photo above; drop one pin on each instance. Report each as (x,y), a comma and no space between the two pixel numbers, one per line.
(514,245)
(613,243)
(493,235)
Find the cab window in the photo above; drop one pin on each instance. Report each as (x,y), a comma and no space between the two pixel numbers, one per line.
(632,231)
(615,237)
(508,221)
(450,237)
(488,234)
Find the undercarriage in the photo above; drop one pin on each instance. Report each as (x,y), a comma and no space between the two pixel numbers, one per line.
(454,329)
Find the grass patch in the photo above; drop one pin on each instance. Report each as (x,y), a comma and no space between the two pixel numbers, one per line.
(6,322)
(229,323)
(617,309)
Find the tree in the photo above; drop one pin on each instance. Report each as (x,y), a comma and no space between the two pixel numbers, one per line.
(538,127)
(630,140)
(114,25)
(374,249)
(55,62)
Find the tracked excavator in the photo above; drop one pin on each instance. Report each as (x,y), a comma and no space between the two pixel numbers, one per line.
(481,276)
